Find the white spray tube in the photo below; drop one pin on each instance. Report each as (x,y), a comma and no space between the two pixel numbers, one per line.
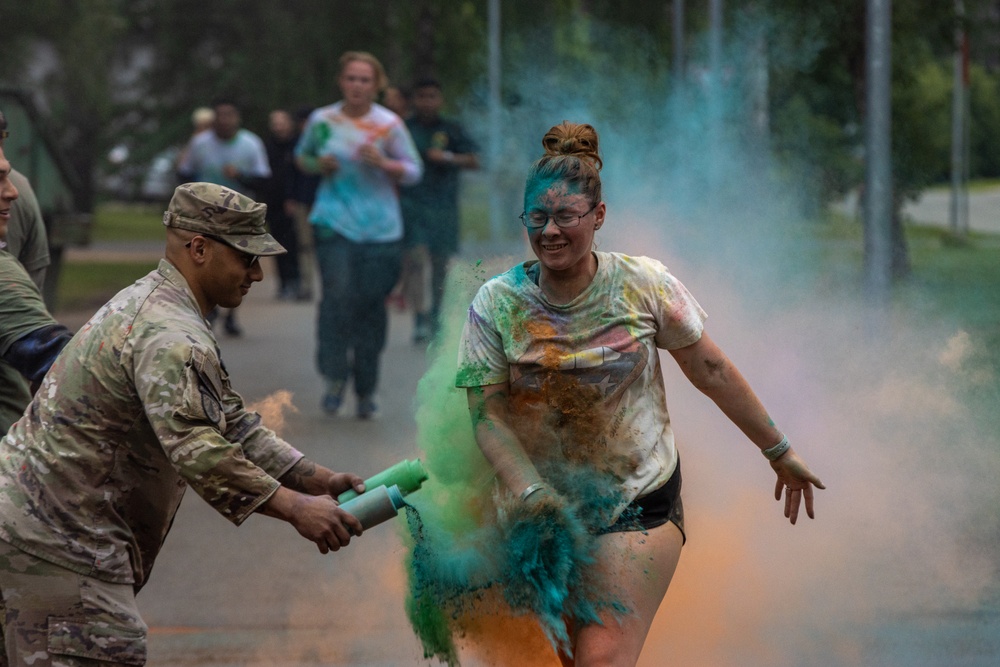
(375,505)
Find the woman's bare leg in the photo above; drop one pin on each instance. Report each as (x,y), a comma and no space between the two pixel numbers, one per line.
(636,567)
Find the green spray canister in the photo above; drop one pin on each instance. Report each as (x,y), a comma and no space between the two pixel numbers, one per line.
(408,475)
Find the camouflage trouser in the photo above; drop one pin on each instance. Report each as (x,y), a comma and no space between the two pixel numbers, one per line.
(52,617)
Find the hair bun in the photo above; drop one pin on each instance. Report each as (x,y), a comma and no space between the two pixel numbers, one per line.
(575,139)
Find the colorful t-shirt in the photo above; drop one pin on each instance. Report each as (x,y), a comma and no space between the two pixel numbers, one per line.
(585,379)
(208,155)
(358,201)
(136,408)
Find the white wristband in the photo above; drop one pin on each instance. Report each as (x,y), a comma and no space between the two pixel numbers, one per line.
(774,453)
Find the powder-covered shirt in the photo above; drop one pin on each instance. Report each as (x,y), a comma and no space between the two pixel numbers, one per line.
(358,201)
(585,379)
(208,155)
(136,408)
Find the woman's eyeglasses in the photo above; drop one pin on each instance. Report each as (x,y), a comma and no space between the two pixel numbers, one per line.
(563,220)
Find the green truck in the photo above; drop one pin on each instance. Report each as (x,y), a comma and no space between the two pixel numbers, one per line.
(33,150)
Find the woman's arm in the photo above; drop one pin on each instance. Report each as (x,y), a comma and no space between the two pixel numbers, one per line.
(712,373)
(401,160)
(498,442)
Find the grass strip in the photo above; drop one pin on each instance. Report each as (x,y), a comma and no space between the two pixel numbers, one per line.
(88,285)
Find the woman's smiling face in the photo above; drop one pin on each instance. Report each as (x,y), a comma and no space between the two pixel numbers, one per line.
(562,249)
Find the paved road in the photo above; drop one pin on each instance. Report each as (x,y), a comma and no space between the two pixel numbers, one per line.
(933,209)
(261,596)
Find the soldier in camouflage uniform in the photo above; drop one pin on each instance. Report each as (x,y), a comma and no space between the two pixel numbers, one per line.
(137,408)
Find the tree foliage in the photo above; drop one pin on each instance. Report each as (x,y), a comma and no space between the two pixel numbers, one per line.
(130,71)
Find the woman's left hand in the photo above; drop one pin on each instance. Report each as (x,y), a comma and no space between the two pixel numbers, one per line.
(795,478)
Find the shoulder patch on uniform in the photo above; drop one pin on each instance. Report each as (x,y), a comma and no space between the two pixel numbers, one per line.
(209,372)
(210,383)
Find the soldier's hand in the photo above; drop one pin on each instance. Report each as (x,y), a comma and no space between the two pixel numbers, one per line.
(320,520)
(343,481)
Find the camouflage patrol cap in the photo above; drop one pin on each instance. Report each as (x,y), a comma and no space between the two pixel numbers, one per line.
(223,213)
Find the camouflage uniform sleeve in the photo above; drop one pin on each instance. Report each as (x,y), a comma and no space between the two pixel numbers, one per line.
(268,451)
(202,425)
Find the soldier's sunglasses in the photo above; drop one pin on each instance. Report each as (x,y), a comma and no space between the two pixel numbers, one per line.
(248,259)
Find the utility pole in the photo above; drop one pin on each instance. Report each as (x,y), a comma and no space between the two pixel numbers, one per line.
(959,213)
(715,38)
(678,28)
(759,82)
(495,120)
(878,151)
(715,105)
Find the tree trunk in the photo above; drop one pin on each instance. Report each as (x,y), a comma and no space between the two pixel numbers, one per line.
(394,49)
(424,63)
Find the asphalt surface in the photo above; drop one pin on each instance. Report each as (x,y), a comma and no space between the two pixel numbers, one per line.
(260,595)
(933,209)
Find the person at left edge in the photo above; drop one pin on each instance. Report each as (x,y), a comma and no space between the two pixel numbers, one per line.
(136,408)
(30,338)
